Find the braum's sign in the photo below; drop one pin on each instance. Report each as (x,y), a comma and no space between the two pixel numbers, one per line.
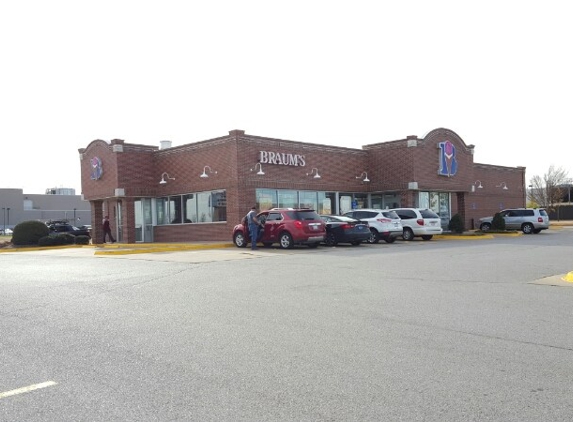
(281,158)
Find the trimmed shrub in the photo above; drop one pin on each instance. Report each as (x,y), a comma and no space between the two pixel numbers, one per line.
(65,239)
(82,240)
(456,224)
(498,222)
(47,241)
(29,233)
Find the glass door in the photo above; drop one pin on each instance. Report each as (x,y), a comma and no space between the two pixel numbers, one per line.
(143,220)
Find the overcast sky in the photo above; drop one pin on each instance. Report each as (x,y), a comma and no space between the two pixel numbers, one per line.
(498,73)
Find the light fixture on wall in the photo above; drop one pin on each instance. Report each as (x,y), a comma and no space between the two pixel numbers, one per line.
(163,178)
(502,185)
(204,174)
(316,176)
(366,179)
(260,172)
(477,184)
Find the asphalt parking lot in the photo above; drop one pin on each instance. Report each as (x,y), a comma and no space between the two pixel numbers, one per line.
(444,330)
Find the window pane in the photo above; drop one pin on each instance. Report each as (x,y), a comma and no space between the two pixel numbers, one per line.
(308,200)
(266,199)
(204,211)
(162,211)
(190,208)
(288,198)
(175,209)
(219,203)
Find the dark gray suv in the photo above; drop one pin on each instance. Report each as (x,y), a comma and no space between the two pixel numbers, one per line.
(528,220)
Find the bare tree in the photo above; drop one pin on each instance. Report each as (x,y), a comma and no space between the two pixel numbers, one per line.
(547,191)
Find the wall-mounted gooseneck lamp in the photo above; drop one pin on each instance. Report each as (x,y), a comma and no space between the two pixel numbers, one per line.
(260,172)
(316,175)
(204,174)
(477,184)
(502,185)
(165,177)
(366,179)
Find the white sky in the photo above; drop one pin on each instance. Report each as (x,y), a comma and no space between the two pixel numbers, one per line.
(498,73)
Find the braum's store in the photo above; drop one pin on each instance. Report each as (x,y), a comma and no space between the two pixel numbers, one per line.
(199,191)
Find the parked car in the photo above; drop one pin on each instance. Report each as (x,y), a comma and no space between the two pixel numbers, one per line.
(68,228)
(419,222)
(285,226)
(341,229)
(384,224)
(528,220)
(6,232)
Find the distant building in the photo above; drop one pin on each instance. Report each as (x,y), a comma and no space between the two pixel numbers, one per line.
(15,207)
(60,191)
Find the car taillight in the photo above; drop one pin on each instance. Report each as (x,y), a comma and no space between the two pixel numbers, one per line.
(346,226)
(298,224)
(540,219)
(420,221)
(384,220)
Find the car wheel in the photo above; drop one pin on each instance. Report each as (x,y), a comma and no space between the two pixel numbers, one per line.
(408,234)
(389,239)
(485,227)
(427,237)
(240,241)
(527,228)
(313,245)
(356,243)
(373,237)
(330,239)
(285,240)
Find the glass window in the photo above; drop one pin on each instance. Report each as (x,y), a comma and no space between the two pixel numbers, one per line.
(308,200)
(326,202)
(219,203)
(266,199)
(288,198)
(162,210)
(190,208)
(424,199)
(204,207)
(174,210)
(204,211)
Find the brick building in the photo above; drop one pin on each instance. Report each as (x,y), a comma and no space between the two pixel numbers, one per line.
(199,191)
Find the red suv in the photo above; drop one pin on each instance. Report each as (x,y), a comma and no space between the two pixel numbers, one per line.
(285,226)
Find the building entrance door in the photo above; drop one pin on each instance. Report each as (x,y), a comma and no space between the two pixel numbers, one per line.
(143,220)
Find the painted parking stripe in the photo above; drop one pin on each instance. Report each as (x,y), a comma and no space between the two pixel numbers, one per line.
(27,389)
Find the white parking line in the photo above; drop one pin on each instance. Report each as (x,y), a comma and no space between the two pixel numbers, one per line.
(27,389)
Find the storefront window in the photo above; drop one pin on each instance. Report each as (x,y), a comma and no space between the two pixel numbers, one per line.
(266,199)
(288,199)
(203,207)
(326,202)
(219,202)
(308,200)
(162,210)
(190,208)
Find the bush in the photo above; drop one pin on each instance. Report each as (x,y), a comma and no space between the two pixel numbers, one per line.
(82,240)
(498,222)
(456,224)
(47,241)
(29,233)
